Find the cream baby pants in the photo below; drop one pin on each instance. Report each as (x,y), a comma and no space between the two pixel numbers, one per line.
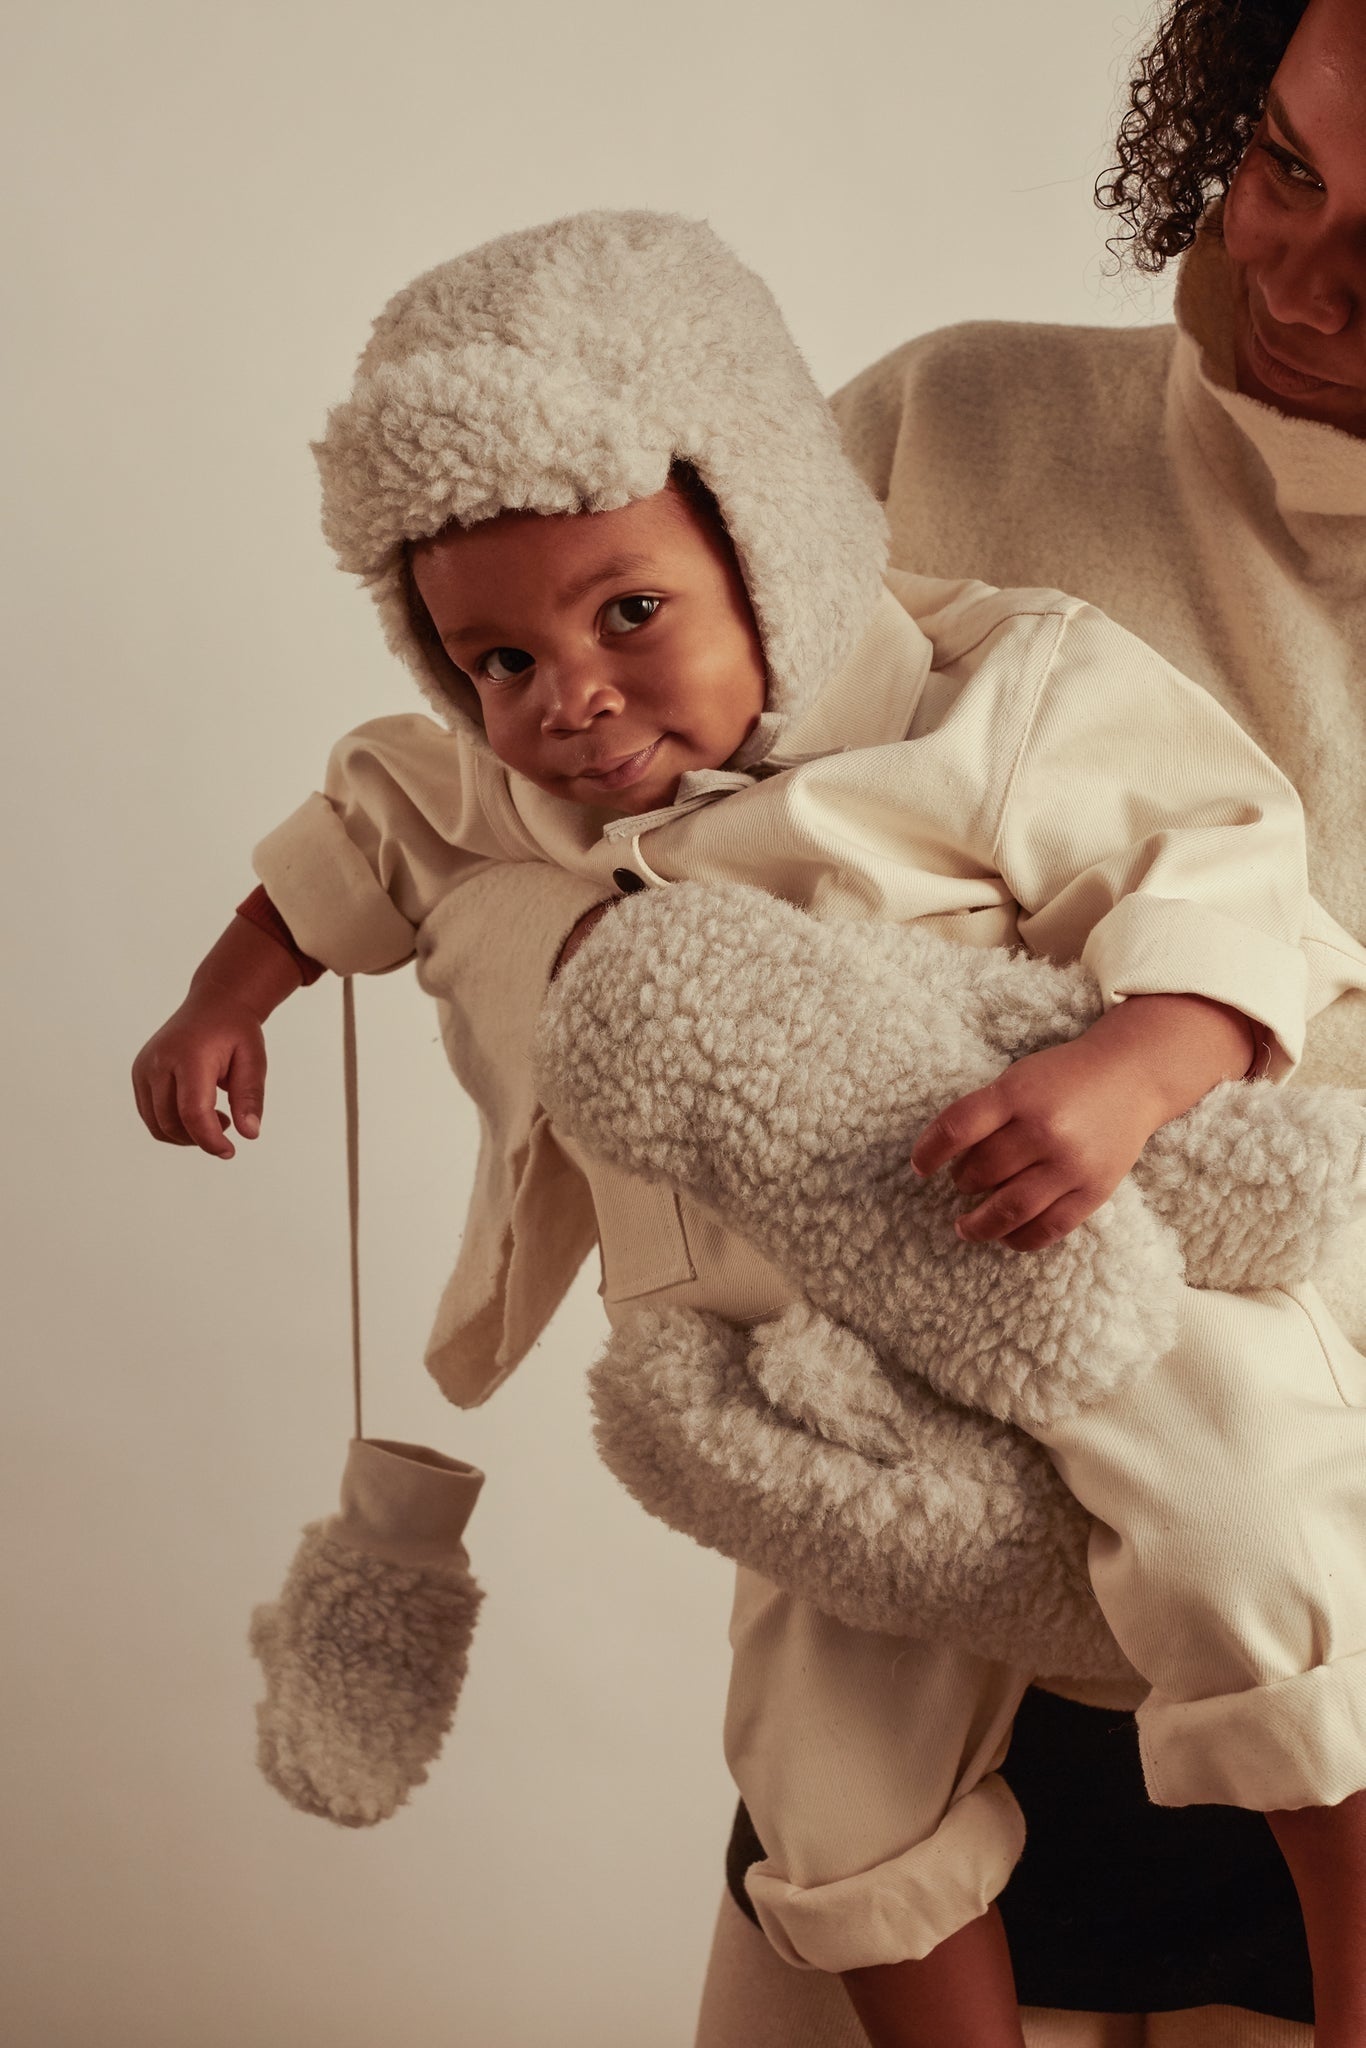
(1228,1489)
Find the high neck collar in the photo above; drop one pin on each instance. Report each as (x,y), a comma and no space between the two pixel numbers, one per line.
(1315,469)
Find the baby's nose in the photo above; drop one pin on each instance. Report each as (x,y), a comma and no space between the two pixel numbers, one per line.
(578,693)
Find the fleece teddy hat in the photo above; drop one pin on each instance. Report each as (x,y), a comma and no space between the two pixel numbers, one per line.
(567,368)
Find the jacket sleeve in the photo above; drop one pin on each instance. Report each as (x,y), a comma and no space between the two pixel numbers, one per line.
(406,809)
(1139,813)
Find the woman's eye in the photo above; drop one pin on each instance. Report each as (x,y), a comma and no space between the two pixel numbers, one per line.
(627,614)
(1290,170)
(501,664)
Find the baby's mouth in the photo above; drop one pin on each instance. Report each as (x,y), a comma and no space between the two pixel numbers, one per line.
(624,770)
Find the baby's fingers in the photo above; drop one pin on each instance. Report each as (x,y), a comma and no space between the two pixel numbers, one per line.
(193,1109)
(1051,1224)
(964,1123)
(1011,1208)
(246,1086)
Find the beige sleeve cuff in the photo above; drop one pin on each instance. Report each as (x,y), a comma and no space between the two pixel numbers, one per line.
(1150,945)
(1337,964)
(326,892)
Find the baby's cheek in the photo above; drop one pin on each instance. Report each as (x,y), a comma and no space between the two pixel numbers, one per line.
(507,738)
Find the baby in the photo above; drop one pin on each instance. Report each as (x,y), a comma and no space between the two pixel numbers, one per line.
(604,514)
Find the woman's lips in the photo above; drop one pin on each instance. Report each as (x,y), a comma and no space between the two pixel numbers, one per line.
(1277,374)
(622,773)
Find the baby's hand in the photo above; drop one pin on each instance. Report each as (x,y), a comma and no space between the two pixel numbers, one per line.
(1052,1138)
(1046,1143)
(213,1041)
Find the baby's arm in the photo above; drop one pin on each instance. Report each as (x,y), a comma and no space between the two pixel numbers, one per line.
(1051,1139)
(353,871)
(1135,817)
(215,1040)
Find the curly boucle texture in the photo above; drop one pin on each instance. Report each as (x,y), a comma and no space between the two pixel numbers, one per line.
(1258,1181)
(564,368)
(781,1069)
(789,1450)
(364,1660)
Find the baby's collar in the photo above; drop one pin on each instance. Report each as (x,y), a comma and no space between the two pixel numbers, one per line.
(698,787)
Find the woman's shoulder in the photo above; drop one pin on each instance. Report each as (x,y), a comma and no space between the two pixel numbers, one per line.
(1017,452)
(1018,356)
(987,382)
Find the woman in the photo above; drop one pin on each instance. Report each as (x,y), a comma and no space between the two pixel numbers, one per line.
(1206,485)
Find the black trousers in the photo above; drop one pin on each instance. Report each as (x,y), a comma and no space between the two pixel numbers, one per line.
(1121,1906)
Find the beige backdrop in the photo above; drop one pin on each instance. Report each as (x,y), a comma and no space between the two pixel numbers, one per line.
(212,200)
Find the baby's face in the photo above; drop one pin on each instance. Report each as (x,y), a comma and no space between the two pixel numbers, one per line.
(612,651)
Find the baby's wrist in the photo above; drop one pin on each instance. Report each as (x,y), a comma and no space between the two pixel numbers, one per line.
(1181,1046)
(247,969)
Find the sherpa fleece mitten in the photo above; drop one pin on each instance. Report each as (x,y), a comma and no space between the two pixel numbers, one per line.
(790,1450)
(365,1650)
(781,1069)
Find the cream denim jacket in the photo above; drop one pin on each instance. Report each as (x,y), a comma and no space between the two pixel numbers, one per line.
(1009,765)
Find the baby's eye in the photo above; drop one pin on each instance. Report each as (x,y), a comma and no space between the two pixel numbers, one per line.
(628,614)
(501,664)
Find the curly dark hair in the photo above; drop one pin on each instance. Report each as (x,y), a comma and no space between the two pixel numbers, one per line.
(1194,104)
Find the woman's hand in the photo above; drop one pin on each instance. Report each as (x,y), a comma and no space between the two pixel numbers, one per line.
(215,1041)
(1051,1139)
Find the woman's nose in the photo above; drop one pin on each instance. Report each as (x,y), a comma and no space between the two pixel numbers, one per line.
(1310,288)
(577,693)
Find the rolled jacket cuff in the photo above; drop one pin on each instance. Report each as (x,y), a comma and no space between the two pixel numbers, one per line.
(901,1909)
(1299,1742)
(1149,946)
(327,893)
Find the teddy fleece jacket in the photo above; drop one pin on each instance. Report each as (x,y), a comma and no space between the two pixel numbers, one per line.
(976,764)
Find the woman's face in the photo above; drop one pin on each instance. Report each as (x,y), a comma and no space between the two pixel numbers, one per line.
(1295,227)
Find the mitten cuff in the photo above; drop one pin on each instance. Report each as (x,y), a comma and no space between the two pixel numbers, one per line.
(404,1503)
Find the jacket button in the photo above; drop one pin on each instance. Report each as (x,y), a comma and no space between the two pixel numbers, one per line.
(628,881)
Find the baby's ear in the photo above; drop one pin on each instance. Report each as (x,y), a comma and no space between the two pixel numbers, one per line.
(453,682)
(1258,1181)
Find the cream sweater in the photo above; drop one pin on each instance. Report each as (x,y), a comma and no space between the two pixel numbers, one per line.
(976,764)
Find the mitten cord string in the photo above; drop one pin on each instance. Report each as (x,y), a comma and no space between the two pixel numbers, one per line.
(352,1177)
